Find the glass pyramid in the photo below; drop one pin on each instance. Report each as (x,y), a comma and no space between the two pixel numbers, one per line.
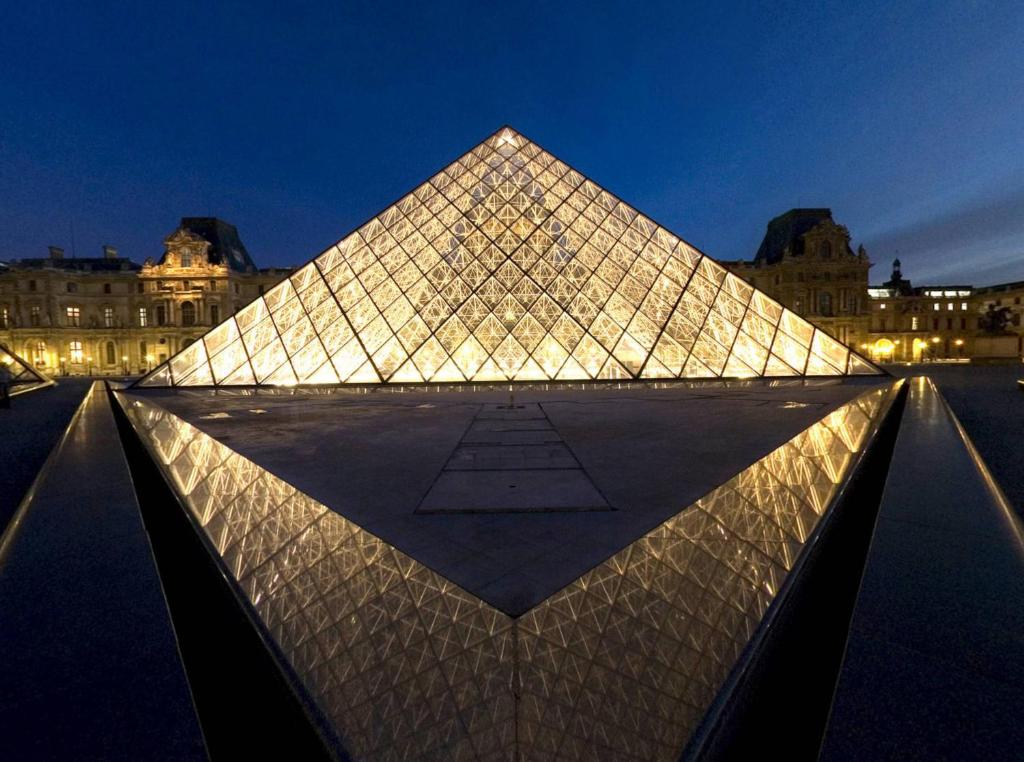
(620,664)
(25,377)
(508,265)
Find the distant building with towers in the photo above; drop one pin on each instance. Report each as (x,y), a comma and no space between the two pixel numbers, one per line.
(806,262)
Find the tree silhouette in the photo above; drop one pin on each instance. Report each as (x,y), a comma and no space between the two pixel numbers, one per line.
(995,320)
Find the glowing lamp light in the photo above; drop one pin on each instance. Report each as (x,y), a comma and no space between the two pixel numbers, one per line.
(884,347)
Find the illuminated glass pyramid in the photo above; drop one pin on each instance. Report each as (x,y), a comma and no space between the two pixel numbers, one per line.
(508,265)
(25,378)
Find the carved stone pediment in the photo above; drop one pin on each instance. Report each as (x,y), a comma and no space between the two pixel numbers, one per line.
(182,236)
(184,242)
(827,229)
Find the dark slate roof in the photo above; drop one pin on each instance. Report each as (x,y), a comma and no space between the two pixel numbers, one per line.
(225,245)
(786,231)
(998,287)
(84,264)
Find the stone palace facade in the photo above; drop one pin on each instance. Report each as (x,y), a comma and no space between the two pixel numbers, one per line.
(111,316)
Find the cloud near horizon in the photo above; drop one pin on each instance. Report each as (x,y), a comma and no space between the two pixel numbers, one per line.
(978,243)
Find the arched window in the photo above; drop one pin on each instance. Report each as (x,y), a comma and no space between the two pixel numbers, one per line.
(111,353)
(188,313)
(39,354)
(825,249)
(825,303)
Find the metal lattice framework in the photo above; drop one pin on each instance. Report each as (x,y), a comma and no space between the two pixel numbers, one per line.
(24,378)
(620,664)
(508,265)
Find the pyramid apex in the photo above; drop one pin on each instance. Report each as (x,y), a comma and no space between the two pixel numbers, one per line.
(507,138)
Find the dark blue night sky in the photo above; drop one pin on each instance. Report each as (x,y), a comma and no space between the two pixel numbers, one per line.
(297,121)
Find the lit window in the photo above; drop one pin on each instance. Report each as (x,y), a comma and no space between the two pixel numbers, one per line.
(108,317)
(963,305)
(75,351)
(913,324)
(39,355)
(949,306)
(5,317)
(143,317)
(935,306)
(74,316)
(881,306)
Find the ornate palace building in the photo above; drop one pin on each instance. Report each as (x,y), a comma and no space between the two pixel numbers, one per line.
(914,323)
(805,261)
(110,316)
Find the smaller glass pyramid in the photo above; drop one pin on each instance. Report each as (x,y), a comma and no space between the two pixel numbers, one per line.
(25,378)
(508,265)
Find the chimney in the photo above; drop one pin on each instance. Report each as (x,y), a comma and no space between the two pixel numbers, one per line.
(56,252)
(110,252)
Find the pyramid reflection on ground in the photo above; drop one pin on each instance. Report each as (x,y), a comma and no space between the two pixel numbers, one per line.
(508,265)
(25,378)
(621,663)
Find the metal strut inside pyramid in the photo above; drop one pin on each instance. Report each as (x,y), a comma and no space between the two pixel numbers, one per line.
(23,376)
(508,265)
